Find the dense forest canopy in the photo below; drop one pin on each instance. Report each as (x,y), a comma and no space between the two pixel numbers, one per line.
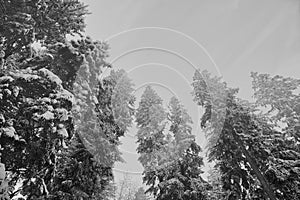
(60,124)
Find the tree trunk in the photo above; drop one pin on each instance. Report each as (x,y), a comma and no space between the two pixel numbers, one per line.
(255,168)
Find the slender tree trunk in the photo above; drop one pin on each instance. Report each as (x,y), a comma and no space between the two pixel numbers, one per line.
(267,188)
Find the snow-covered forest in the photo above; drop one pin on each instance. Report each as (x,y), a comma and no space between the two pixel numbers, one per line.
(61,121)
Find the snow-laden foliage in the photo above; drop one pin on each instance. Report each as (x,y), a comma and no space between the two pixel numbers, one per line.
(281,96)
(171,160)
(140,194)
(255,159)
(38,72)
(24,22)
(97,129)
(150,118)
(35,108)
(31,127)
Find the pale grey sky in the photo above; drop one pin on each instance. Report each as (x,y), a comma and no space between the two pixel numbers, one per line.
(240,35)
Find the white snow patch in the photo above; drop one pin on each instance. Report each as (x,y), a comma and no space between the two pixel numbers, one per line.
(26,77)
(63,132)
(242,166)
(95,100)
(63,114)
(46,100)
(16,91)
(51,76)
(2,171)
(9,131)
(48,115)
(65,94)
(50,108)
(84,92)
(7,91)
(6,78)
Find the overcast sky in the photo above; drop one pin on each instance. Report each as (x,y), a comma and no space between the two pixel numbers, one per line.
(161,42)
